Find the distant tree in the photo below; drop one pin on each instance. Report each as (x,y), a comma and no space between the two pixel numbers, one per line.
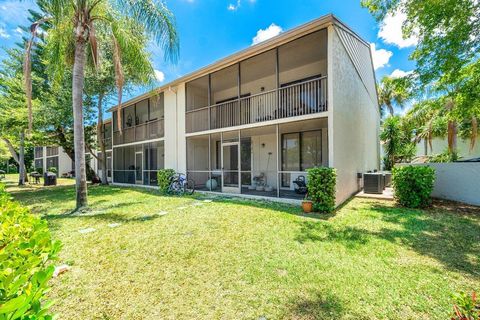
(393,92)
(398,143)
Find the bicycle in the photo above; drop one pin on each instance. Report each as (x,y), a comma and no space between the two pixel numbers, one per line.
(180,184)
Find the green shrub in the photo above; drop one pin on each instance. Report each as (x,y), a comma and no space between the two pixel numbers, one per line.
(52,170)
(466,306)
(321,183)
(39,170)
(413,185)
(445,156)
(26,252)
(163,177)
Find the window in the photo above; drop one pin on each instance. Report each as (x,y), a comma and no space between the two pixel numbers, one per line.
(301,150)
(52,162)
(52,151)
(38,152)
(39,164)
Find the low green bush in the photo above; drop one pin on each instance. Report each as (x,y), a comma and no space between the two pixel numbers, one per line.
(163,177)
(52,170)
(26,253)
(321,183)
(413,185)
(39,170)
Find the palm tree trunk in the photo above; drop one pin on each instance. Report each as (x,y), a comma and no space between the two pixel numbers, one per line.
(101,141)
(78,132)
(21,160)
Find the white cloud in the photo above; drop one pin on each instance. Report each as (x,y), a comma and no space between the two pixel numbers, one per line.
(391,31)
(265,34)
(19,30)
(234,7)
(397,73)
(159,75)
(3,33)
(380,57)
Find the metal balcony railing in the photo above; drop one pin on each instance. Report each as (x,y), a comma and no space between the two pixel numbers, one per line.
(298,99)
(145,131)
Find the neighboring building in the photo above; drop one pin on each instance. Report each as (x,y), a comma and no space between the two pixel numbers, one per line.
(253,122)
(52,157)
(56,157)
(440,145)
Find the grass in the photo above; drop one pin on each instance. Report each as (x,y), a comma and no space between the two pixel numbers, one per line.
(234,259)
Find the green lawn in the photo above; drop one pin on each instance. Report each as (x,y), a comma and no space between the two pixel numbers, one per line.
(234,259)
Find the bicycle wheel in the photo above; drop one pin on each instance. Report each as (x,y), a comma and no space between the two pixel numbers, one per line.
(189,186)
(175,187)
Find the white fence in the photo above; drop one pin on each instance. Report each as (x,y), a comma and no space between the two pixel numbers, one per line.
(457,181)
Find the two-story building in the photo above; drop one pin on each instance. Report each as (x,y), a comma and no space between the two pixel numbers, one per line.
(253,122)
(46,157)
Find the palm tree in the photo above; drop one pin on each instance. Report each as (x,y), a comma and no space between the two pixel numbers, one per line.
(392,92)
(72,38)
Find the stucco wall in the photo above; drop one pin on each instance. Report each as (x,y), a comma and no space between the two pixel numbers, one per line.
(457,181)
(440,145)
(354,123)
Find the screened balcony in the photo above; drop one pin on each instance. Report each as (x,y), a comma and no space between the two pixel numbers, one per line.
(107,135)
(264,161)
(138,164)
(287,81)
(140,122)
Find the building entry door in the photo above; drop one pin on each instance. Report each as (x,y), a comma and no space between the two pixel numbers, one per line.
(230,167)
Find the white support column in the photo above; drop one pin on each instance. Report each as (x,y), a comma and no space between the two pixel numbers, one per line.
(278,158)
(330,98)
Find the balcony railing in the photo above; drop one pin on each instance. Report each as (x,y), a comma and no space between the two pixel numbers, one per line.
(299,99)
(146,131)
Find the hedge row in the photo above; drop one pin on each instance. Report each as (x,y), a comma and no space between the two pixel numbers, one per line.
(26,253)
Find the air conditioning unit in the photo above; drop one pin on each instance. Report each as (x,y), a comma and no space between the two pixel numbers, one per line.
(373,182)
(387,178)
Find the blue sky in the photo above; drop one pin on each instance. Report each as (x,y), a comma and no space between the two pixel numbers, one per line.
(212,29)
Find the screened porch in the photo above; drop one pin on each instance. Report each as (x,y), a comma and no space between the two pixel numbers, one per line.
(266,161)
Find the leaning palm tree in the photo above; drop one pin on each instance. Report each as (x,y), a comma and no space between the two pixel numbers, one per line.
(72,42)
(392,92)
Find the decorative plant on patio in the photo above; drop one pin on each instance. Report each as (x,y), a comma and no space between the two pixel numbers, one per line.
(27,251)
(321,183)
(413,185)
(164,177)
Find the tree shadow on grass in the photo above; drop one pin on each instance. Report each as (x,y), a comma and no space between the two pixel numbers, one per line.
(317,306)
(349,237)
(450,238)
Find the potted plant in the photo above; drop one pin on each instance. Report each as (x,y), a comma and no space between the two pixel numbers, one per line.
(307,204)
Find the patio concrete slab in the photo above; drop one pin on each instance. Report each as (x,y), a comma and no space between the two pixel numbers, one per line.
(386,195)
